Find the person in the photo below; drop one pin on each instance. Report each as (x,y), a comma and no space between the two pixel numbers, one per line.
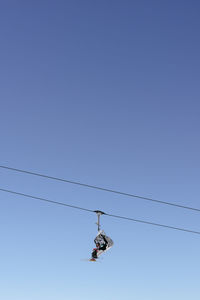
(101,245)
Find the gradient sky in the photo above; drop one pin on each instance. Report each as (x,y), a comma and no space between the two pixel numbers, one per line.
(105,93)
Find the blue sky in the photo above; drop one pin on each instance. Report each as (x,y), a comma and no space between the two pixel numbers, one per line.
(106,93)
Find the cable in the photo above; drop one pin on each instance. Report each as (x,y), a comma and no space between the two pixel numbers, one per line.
(46,200)
(102,189)
(155,224)
(92,211)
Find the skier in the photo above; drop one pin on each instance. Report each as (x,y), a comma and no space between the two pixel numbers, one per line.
(101,244)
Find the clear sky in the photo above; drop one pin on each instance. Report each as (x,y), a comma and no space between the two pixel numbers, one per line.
(106,93)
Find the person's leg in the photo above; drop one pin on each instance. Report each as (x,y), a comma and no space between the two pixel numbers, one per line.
(94,253)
